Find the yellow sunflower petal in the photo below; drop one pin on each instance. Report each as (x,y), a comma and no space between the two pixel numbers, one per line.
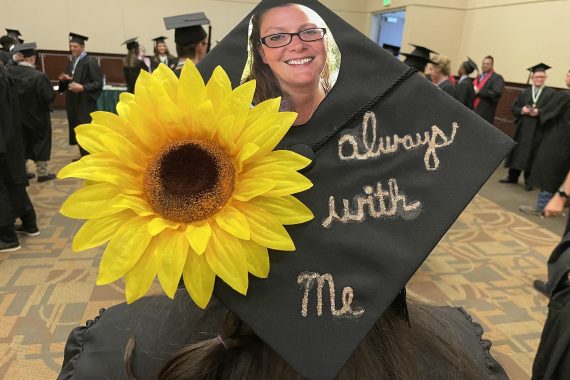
(124,149)
(265,228)
(199,236)
(224,131)
(226,256)
(167,79)
(139,279)
(199,279)
(287,158)
(249,188)
(136,204)
(238,104)
(190,78)
(124,250)
(91,202)
(257,259)
(171,257)
(95,232)
(158,224)
(233,222)
(248,150)
(286,181)
(264,108)
(126,99)
(218,87)
(266,132)
(287,210)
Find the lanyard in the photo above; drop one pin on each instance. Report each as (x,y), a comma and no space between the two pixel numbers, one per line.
(535,95)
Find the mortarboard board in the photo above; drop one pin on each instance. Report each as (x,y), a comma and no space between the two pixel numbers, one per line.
(20,40)
(187,28)
(539,67)
(13,33)
(422,51)
(131,43)
(470,66)
(160,39)
(27,49)
(78,38)
(417,62)
(392,49)
(369,252)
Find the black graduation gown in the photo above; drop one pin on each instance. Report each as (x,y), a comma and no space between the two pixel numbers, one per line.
(36,95)
(552,161)
(464,92)
(530,130)
(489,96)
(4,57)
(448,87)
(171,62)
(80,105)
(160,328)
(132,73)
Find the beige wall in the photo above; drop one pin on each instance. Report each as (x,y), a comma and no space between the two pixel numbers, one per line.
(519,33)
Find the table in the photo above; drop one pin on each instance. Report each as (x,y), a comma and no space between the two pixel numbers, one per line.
(109,98)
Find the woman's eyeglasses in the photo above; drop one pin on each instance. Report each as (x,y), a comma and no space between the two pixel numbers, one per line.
(278,40)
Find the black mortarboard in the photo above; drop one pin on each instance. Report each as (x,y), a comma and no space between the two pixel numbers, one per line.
(418,62)
(540,67)
(392,49)
(422,51)
(160,39)
(73,37)
(470,66)
(13,33)
(27,50)
(187,28)
(20,40)
(131,43)
(409,196)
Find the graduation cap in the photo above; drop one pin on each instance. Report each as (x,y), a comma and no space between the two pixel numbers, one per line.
(353,260)
(13,33)
(131,43)
(27,49)
(470,66)
(188,28)
(422,51)
(539,67)
(417,62)
(159,40)
(392,49)
(78,38)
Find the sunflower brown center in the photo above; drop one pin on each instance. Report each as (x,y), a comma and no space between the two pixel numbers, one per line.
(189,180)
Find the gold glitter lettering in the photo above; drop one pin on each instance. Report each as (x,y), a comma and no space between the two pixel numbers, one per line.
(310,278)
(349,147)
(375,204)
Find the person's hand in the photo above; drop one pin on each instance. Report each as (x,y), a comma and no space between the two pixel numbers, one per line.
(75,87)
(525,110)
(555,206)
(534,112)
(18,57)
(476,90)
(64,76)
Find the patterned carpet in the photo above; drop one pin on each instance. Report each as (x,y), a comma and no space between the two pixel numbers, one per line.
(485,263)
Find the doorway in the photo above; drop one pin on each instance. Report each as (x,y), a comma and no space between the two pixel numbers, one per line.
(388,28)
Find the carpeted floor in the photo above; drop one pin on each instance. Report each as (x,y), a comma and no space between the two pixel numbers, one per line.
(485,263)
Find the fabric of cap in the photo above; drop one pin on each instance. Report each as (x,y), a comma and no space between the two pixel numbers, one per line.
(422,51)
(13,33)
(418,62)
(187,28)
(539,67)
(370,257)
(160,39)
(470,66)
(27,49)
(391,48)
(78,38)
(131,43)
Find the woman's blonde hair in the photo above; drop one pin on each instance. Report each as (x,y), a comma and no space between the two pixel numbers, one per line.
(442,64)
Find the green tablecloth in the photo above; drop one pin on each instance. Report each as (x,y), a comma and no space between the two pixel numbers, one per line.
(109,98)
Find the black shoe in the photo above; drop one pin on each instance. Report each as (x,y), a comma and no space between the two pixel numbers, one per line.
(7,246)
(528,188)
(30,231)
(508,180)
(530,210)
(31,175)
(47,177)
(541,287)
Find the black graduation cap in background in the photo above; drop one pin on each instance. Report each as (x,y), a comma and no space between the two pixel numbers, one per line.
(470,66)
(188,28)
(422,51)
(159,40)
(539,67)
(414,195)
(392,49)
(27,49)
(417,62)
(13,33)
(131,43)
(78,38)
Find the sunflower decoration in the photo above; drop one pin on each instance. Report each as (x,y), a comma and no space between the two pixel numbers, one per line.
(185,182)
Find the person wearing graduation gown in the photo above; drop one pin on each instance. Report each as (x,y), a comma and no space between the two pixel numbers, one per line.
(439,72)
(83,83)
(36,95)
(192,41)
(464,92)
(14,199)
(530,120)
(7,42)
(488,87)
(162,55)
(132,66)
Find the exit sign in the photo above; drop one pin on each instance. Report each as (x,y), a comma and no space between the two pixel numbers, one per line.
(387,2)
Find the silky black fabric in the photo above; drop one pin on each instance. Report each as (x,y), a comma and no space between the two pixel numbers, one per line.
(464,92)
(552,161)
(132,73)
(171,62)
(489,96)
(160,327)
(448,87)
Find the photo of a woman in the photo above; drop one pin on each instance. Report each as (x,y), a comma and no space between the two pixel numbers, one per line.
(292,54)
